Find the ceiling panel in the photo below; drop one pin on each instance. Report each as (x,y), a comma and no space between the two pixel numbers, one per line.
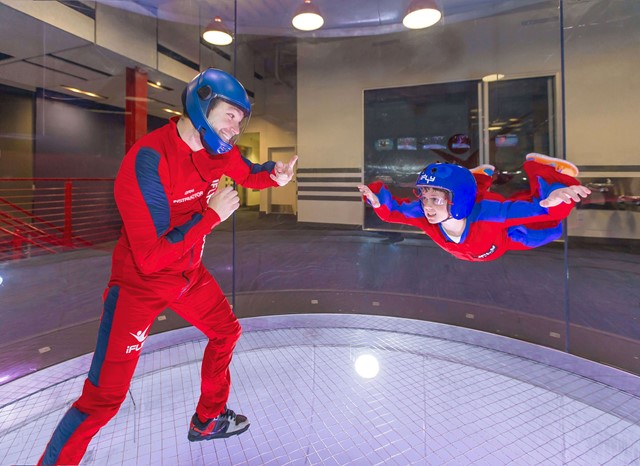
(48,57)
(16,27)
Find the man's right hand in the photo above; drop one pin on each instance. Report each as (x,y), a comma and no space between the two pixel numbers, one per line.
(225,202)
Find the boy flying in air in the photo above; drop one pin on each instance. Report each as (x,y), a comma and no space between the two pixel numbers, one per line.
(455,208)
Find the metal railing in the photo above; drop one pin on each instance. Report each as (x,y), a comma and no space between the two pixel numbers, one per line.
(52,215)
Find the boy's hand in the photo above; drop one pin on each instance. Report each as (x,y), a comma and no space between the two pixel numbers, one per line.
(372,198)
(225,202)
(283,173)
(566,195)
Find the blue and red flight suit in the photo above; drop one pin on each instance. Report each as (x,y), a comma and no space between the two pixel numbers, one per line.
(161,191)
(496,225)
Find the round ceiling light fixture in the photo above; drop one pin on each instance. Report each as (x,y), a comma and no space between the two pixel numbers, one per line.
(307,17)
(216,33)
(421,14)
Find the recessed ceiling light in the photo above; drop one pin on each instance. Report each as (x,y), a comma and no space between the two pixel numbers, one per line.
(492,77)
(87,93)
(158,85)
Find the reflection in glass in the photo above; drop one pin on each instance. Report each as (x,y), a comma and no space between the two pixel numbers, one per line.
(342,98)
(521,120)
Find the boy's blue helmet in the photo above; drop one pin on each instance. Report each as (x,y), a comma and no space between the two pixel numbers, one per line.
(457,180)
(202,93)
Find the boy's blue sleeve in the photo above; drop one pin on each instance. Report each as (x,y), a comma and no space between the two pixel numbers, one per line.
(407,208)
(534,238)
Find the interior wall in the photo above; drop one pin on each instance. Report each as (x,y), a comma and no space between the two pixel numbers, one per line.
(74,142)
(271,135)
(332,76)
(43,137)
(16,146)
(16,133)
(250,141)
(603,91)
(131,35)
(602,97)
(58,15)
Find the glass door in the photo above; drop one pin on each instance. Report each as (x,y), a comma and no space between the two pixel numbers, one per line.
(519,119)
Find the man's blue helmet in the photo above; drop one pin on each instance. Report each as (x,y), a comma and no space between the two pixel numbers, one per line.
(202,93)
(457,180)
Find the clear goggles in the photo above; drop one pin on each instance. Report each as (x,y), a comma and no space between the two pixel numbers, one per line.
(428,196)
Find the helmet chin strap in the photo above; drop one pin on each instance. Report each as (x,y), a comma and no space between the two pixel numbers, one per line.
(204,143)
(458,231)
(206,146)
(449,213)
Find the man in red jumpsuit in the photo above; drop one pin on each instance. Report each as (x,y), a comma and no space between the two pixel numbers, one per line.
(166,192)
(458,212)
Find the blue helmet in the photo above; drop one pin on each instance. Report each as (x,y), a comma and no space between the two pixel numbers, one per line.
(457,180)
(202,93)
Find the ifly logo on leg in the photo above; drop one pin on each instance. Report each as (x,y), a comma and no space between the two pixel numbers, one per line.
(140,336)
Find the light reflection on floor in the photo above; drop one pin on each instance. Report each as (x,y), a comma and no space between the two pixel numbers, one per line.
(434,400)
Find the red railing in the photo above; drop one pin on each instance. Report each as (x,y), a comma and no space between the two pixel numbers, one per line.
(51,215)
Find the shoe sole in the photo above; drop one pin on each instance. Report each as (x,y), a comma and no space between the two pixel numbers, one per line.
(199,438)
(561,165)
(481,170)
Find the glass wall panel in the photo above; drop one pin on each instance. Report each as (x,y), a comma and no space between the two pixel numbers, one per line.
(360,100)
(521,120)
(604,265)
(407,128)
(80,82)
(364,99)
(365,103)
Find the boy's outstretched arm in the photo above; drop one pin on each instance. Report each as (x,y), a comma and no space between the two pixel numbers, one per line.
(371,197)
(390,208)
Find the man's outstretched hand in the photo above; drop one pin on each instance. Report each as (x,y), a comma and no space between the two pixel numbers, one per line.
(283,172)
(566,195)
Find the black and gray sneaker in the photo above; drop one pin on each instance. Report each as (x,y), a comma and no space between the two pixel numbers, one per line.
(225,425)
